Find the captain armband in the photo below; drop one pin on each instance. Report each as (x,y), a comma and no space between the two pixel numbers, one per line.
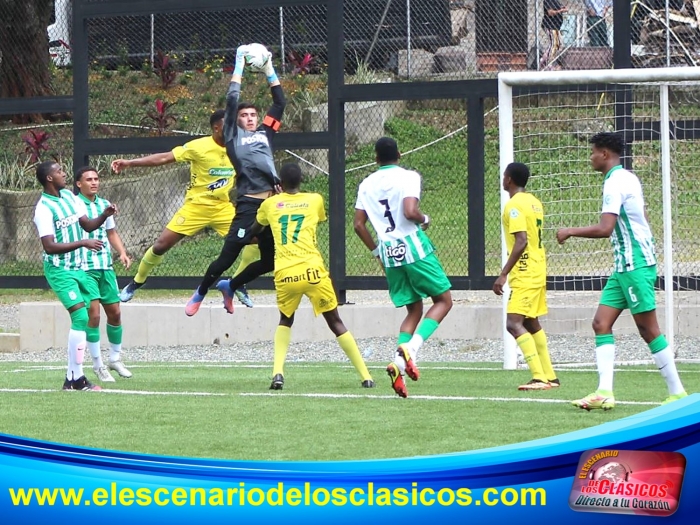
(272,122)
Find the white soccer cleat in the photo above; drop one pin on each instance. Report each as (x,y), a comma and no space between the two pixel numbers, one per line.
(103,374)
(120,369)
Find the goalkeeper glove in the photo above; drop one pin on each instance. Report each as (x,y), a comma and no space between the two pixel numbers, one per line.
(269,69)
(239,64)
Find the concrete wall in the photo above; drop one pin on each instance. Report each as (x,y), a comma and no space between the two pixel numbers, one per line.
(46,325)
(145,205)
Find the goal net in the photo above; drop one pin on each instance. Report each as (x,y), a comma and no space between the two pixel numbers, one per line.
(546,120)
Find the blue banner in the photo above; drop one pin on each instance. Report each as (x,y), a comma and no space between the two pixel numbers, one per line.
(44,482)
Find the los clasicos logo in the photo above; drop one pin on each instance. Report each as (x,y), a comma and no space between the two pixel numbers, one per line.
(628,482)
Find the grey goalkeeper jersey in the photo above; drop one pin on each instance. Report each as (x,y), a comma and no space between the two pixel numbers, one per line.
(251,151)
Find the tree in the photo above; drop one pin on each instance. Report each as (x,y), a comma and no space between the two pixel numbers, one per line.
(24,52)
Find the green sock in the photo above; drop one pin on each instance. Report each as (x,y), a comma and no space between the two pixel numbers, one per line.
(404,337)
(92,334)
(114,334)
(427,327)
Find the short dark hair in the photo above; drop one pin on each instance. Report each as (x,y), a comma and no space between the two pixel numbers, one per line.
(246,105)
(608,140)
(82,171)
(519,173)
(43,171)
(291,176)
(387,150)
(216,117)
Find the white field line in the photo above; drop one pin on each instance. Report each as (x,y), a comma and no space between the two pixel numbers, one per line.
(568,367)
(323,396)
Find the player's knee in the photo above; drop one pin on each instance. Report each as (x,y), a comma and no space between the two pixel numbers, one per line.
(600,326)
(514,326)
(114,318)
(79,319)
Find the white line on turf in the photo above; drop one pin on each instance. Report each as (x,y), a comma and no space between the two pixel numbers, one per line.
(325,396)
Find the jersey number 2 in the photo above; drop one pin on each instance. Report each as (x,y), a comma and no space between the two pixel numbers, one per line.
(284,221)
(387,214)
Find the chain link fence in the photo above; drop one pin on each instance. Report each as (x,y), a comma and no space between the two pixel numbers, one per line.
(164,74)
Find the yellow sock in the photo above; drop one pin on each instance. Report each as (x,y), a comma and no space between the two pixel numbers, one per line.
(349,346)
(527,345)
(283,335)
(540,339)
(149,261)
(250,254)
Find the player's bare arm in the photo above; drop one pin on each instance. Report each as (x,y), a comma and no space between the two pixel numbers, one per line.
(115,242)
(360,225)
(256,229)
(57,248)
(411,211)
(601,230)
(90,225)
(515,254)
(157,159)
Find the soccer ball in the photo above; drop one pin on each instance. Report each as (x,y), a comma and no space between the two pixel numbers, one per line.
(257,56)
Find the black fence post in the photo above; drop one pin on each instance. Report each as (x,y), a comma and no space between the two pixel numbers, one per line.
(622,59)
(336,151)
(476,207)
(81,129)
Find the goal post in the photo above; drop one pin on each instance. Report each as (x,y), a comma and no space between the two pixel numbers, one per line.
(547,126)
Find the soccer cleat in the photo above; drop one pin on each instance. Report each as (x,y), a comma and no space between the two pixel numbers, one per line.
(120,369)
(397,382)
(555,383)
(243,297)
(103,374)
(535,384)
(127,293)
(368,383)
(192,306)
(277,382)
(411,368)
(80,384)
(674,397)
(595,401)
(225,290)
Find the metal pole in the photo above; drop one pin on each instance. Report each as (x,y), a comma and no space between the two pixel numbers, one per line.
(668,36)
(282,38)
(153,38)
(376,33)
(408,38)
(537,36)
(667,210)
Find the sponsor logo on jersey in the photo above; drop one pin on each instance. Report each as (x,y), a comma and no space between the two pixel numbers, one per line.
(398,253)
(253,139)
(65,223)
(218,184)
(311,275)
(221,172)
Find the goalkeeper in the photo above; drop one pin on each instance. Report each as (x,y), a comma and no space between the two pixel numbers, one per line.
(249,148)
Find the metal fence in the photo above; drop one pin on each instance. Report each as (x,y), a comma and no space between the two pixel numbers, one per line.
(81,81)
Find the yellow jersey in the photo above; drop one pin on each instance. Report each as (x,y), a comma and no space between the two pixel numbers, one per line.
(211,171)
(524,213)
(293,219)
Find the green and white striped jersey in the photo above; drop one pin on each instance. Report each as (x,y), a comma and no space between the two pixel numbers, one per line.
(60,216)
(381,196)
(632,240)
(101,260)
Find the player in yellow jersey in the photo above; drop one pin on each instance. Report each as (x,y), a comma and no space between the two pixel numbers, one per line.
(526,272)
(299,268)
(207,202)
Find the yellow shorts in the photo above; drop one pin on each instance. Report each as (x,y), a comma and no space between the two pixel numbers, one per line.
(193,218)
(313,282)
(530,302)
